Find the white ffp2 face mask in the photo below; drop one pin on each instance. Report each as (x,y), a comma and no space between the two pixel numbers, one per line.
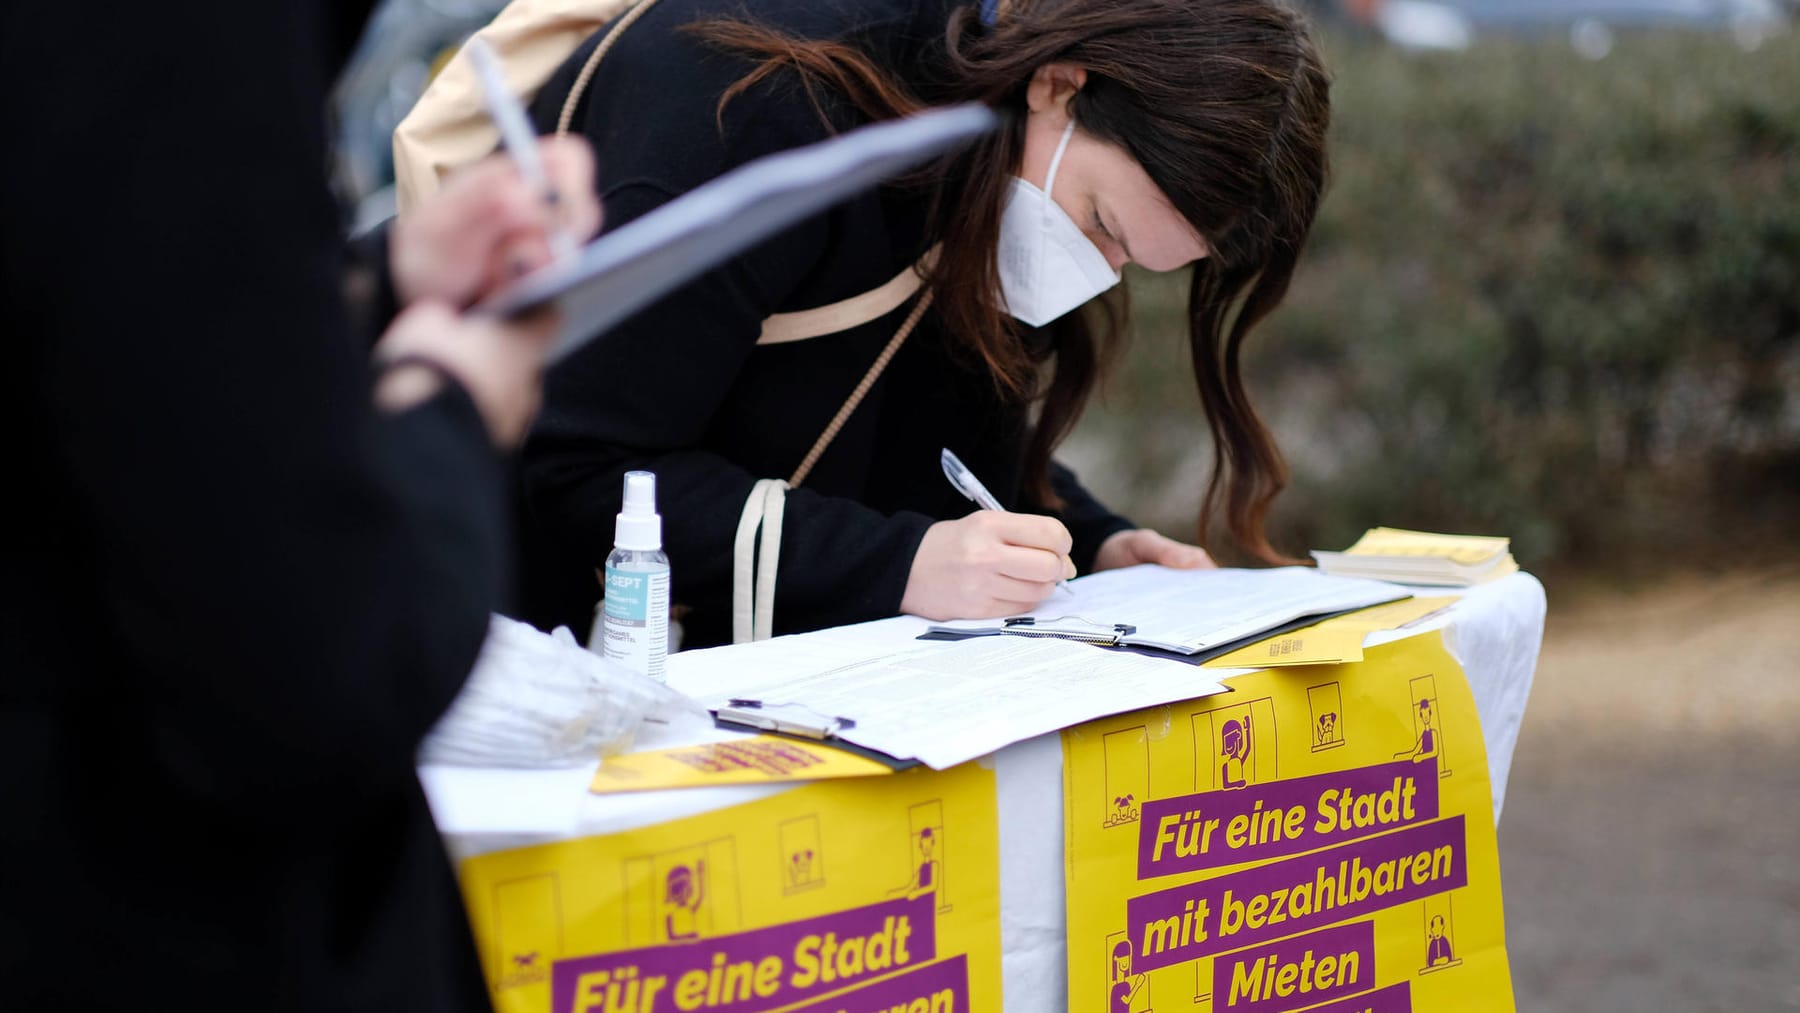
(1047,265)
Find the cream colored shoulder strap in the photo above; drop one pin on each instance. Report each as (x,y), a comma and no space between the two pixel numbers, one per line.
(756,558)
(576,90)
(848,313)
(757,548)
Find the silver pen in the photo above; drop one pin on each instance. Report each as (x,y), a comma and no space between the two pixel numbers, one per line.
(964,481)
(516,135)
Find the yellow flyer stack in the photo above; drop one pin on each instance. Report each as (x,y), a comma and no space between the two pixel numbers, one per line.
(1319,839)
(860,895)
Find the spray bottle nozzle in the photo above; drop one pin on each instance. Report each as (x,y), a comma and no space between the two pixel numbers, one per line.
(639,526)
(640,492)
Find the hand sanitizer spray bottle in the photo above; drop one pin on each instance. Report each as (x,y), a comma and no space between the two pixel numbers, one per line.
(635,627)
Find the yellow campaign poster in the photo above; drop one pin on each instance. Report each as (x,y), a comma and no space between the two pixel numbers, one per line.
(860,895)
(1320,838)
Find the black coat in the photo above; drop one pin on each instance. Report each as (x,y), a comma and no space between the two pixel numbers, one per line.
(683,390)
(233,597)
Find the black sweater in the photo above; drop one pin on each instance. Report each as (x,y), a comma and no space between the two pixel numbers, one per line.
(234,598)
(683,390)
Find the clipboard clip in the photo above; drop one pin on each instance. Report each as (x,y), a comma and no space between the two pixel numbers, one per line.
(1107,634)
(782,718)
(1075,628)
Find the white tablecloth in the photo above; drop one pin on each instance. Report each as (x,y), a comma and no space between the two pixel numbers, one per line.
(1495,632)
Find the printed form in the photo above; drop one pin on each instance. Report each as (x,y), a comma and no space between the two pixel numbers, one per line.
(944,703)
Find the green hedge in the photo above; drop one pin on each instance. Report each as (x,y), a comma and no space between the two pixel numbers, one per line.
(1546,297)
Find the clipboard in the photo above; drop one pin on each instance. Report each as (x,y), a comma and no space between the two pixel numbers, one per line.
(798,721)
(1113,638)
(625,270)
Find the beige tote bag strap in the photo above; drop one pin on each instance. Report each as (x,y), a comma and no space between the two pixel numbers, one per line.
(860,391)
(580,86)
(753,571)
(852,312)
(757,549)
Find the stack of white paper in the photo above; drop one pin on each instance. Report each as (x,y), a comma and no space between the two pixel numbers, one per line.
(946,702)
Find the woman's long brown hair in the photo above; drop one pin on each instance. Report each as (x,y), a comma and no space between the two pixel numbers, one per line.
(1225,103)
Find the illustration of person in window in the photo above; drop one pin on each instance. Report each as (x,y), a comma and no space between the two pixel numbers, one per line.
(1437,945)
(1427,746)
(1126,992)
(1234,750)
(925,877)
(683,892)
(800,867)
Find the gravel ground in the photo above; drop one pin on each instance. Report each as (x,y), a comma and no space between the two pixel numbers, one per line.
(1651,838)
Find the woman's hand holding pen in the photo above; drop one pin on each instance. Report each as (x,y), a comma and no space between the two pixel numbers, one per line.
(488,226)
(1141,545)
(987,564)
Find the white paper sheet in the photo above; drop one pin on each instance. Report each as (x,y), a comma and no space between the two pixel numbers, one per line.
(1189,611)
(946,703)
(489,800)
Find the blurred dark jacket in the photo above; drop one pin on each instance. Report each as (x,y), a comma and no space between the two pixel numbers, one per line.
(234,597)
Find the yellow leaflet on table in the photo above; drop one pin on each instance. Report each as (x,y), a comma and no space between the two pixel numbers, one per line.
(1313,645)
(760,759)
(1321,838)
(1465,549)
(1391,616)
(1333,641)
(855,895)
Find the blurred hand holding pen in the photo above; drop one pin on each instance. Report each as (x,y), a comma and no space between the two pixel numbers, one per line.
(519,139)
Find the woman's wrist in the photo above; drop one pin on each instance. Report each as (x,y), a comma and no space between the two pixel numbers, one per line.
(409,380)
(1114,551)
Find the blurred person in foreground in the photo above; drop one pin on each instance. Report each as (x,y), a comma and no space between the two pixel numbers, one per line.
(249,569)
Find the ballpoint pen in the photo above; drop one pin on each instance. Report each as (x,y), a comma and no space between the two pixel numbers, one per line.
(516,135)
(965,482)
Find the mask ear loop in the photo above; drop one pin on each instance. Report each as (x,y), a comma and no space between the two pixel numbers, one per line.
(1047,215)
(1056,161)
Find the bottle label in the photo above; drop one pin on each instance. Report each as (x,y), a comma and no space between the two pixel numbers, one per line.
(636,629)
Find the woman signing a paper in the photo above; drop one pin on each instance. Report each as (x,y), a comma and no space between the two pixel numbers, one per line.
(1165,133)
